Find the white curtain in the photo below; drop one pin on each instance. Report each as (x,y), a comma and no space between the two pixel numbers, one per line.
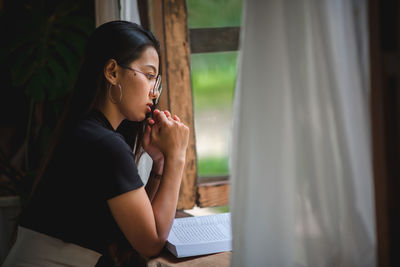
(130,11)
(106,10)
(302,187)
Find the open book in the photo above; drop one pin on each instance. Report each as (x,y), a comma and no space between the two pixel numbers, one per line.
(192,236)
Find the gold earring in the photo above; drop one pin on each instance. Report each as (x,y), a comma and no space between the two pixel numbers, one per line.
(110,95)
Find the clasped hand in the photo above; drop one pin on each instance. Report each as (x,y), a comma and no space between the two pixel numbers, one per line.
(165,136)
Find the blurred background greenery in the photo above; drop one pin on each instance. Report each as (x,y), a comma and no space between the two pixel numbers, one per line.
(213,83)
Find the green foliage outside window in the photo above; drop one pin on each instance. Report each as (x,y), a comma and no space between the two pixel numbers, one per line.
(213,74)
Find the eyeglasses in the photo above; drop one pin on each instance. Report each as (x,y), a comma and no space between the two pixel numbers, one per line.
(157,88)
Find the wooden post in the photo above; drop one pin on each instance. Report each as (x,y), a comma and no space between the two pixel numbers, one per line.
(384,34)
(378,139)
(143,8)
(169,19)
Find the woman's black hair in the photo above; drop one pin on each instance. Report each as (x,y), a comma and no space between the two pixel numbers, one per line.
(120,40)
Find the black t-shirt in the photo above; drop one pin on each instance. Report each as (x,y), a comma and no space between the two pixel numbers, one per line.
(92,164)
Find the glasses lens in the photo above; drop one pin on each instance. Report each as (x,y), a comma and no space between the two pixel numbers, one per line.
(157,86)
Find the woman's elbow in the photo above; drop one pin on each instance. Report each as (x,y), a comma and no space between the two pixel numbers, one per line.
(153,249)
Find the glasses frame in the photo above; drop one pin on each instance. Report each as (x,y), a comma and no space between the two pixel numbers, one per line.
(157,88)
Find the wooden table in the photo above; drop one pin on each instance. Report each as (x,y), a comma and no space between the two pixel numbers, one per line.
(166,259)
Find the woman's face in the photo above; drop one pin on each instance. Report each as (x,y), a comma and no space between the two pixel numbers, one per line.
(136,86)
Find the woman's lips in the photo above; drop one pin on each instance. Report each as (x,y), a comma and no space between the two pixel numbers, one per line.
(148,108)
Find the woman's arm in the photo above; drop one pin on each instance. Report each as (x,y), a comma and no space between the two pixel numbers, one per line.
(158,159)
(146,224)
(154,179)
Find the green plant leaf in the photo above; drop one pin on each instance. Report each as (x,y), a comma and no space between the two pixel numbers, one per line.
(22,69)
(69,58)
(79,23)
(36,86)
(65,8)
(76,41)
(60,84)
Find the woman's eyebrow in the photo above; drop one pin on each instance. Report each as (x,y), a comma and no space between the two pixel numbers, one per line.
(153,67)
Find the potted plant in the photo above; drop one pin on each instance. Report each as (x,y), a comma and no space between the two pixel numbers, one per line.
(41,54)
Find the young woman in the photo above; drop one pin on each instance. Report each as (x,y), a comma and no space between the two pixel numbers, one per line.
(90,198)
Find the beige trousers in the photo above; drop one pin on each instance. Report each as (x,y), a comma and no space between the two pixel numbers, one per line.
(36,249)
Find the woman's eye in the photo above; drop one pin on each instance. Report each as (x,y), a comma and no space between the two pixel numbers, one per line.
(150,76)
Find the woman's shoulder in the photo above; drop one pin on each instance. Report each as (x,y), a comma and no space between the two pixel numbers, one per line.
(94,133)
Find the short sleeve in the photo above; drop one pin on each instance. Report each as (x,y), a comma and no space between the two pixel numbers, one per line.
(117,169)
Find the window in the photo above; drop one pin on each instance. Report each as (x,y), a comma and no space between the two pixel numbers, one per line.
(213,56)
(213,76)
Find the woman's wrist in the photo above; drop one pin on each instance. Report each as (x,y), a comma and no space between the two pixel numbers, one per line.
(177,157)
(155,175)
(175,161)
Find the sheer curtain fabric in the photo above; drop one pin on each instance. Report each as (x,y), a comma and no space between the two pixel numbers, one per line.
(302,187)
(108,10)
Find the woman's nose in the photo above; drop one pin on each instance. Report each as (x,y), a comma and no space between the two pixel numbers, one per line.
(154,95)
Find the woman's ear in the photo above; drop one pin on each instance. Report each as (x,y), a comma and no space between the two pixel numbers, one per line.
(110,71)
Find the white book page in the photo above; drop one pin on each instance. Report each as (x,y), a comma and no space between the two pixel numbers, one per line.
(201,229)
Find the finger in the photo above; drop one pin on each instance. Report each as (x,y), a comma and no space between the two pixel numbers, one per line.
(156,112)
(146,135)
(148,130)
(156,115)
(163,118)
(155,129)
(167,113)
(150,121)
(176,118)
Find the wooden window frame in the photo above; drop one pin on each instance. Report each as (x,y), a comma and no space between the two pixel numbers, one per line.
(168,20)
